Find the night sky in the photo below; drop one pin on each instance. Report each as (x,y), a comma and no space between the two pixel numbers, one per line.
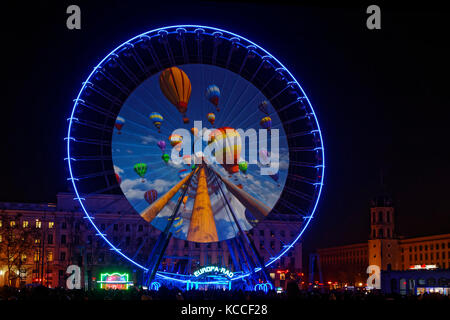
(381,96)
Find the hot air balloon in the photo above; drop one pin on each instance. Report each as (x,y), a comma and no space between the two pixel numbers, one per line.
(194,131)
(228,149)
(185,120)
(119,180)
(183,173)
(165,157)
(213,95)
(211,118)
(162,145)
(176,87)
(119,124)
(157,120)
(140,169)
(264,107)
(176,141)
(243,166)
(150,196)
(266,123)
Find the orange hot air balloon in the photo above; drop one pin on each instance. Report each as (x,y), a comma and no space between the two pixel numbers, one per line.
(228,149)
(211,118)
(176,87)
(176,141)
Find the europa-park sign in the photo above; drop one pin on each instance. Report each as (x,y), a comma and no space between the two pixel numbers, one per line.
(215,270)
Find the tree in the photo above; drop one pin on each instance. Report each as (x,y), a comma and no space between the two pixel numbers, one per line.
(17,243)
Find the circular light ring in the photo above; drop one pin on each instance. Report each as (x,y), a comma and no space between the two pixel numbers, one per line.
(237,41)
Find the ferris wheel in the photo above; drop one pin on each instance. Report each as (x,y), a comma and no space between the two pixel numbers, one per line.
(206,135)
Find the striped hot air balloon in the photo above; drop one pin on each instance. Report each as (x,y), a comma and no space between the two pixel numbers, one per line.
(176,141)
(176,87)
(157,120)
(140,169)
(266,123)
(213,95)
(119,124)
(150,196)
(211,118)
(228,148)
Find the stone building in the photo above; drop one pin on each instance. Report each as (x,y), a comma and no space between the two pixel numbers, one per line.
(66,237)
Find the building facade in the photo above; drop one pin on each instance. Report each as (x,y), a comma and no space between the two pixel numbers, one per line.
(62,237)
(384,248)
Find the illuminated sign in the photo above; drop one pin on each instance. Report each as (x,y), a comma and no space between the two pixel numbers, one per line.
(263,287)
(214,269)
(423,266)
(114,281)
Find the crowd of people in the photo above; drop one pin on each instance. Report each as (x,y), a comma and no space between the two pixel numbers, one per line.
(164,293)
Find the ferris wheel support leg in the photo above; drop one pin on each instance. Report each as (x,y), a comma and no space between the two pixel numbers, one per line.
(242,234)
(160,247)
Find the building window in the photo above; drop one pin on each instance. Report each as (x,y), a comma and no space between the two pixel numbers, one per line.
(261,233)
(49,256)
(426,247)
(374,235)
(388,217)
(380,233)
(51,224)
(36,256)
(116,227)
(12,224)
(282,233)
(140,228)
(50,239)
(37,241)
(261,245)
(63,225)
(127,227)
(38,223)
(25,224)
(380,216)
(63,239)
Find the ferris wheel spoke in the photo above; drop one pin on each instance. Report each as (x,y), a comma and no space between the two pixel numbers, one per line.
(103,93)
(95,107)
(92,124)
(119,85)
(181,38)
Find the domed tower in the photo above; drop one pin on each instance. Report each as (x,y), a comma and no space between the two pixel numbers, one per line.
(383,244)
